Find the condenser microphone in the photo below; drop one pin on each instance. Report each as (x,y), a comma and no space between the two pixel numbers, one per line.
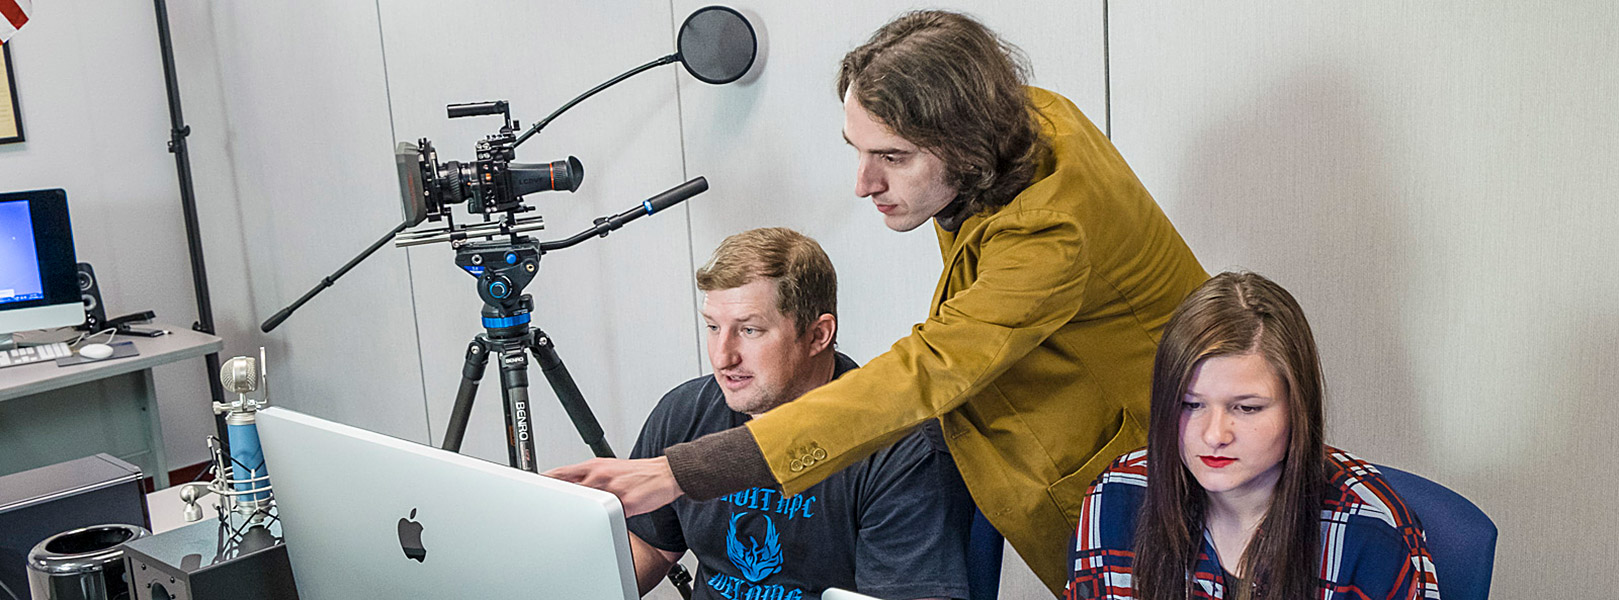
(241,375)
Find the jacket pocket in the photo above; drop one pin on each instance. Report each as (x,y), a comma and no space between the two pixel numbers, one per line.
(1069,492)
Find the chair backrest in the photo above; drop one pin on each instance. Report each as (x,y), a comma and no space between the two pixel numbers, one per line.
(1461,538)
(984,549)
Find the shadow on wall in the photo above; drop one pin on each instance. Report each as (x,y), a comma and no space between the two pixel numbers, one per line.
(1554,508)
(1296,186)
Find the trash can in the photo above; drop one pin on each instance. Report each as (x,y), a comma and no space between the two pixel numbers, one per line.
(82,564)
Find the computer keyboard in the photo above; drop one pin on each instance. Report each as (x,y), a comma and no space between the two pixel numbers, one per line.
(34,354)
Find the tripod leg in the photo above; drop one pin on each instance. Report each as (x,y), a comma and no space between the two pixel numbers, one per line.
(568,394)
(585,421)
(514,389)
(471,372)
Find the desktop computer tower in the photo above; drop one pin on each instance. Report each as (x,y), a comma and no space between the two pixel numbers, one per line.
(39,503)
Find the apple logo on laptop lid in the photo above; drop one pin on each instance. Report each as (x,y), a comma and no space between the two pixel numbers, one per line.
(410,538)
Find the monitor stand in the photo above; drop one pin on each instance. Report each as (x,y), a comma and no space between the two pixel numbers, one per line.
(7,342)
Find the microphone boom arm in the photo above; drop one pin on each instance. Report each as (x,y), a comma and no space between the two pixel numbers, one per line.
(326,282)
(610,83)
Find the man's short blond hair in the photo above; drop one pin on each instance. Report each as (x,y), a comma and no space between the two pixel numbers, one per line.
(806,284)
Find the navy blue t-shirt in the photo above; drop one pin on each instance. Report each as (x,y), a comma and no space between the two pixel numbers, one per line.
(893,525)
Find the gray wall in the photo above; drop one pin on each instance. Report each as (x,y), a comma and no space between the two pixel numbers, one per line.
(1427,178)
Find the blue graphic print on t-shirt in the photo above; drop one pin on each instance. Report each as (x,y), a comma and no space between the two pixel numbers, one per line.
(759,499)
(756,561)
(753,543)
(734,588)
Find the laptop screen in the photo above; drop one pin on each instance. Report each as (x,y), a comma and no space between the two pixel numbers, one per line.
(367,515)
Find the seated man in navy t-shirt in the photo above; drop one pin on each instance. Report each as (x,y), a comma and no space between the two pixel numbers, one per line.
(893,525)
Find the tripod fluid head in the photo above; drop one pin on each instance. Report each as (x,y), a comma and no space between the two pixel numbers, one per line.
(503,269)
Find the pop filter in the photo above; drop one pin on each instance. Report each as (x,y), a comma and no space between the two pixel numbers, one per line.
(717,45)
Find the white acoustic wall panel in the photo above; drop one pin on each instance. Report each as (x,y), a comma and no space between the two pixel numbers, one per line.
(307,106)
(1434,181)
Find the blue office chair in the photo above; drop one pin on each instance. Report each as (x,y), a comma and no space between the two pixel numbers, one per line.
(984,548)
(1461,538)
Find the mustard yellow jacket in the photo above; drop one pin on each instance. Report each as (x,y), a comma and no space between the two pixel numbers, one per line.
(1036,356)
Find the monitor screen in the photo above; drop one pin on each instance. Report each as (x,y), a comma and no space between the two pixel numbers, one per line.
(19,262)
(38,280)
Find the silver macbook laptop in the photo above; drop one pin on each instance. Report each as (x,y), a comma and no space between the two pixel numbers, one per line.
(837,594)
(371,516)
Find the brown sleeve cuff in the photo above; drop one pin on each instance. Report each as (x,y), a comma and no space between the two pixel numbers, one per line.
(718,464)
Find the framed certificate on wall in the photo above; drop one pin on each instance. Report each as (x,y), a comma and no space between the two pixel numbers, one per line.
(10,118)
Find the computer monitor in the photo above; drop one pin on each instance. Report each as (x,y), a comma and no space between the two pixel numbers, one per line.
(837,594)
(370,516)
(39,285)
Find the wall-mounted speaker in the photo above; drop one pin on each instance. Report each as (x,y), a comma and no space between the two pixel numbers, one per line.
(95,315)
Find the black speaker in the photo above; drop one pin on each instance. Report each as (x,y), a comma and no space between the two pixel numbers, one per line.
(95,315)
(210,560)
(43,502)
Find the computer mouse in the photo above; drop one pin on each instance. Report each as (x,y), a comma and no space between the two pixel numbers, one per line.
(95,351)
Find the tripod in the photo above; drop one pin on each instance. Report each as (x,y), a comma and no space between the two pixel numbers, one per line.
(503,269)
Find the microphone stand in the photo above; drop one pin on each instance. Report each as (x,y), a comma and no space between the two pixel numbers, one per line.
(178,131)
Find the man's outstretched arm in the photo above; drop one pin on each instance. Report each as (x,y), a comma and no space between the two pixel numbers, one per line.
(642,485)
(703,469)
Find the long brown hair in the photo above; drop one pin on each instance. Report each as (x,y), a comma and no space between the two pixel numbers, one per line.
(946,83)
(1234,314)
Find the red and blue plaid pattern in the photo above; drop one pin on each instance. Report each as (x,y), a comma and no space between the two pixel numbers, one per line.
(13,13)
(1372,545)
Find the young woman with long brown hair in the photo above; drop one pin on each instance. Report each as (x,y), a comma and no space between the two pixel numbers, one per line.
(1244,500)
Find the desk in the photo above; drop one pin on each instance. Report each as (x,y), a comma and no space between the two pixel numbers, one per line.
(49,414)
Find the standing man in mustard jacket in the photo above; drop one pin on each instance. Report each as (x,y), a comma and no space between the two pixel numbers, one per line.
(1060,273)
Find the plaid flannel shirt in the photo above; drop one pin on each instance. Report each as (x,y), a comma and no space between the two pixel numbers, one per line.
(1372,545)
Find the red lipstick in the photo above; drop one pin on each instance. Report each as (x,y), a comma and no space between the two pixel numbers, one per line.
(1217,462)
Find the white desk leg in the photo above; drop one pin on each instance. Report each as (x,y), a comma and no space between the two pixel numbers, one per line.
(154,432)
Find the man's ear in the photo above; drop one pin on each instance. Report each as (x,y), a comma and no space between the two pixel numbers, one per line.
(822,332)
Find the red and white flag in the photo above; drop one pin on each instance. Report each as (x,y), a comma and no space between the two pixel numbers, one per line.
(13,13)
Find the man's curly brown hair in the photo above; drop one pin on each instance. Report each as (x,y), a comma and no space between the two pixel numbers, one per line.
(946,83)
